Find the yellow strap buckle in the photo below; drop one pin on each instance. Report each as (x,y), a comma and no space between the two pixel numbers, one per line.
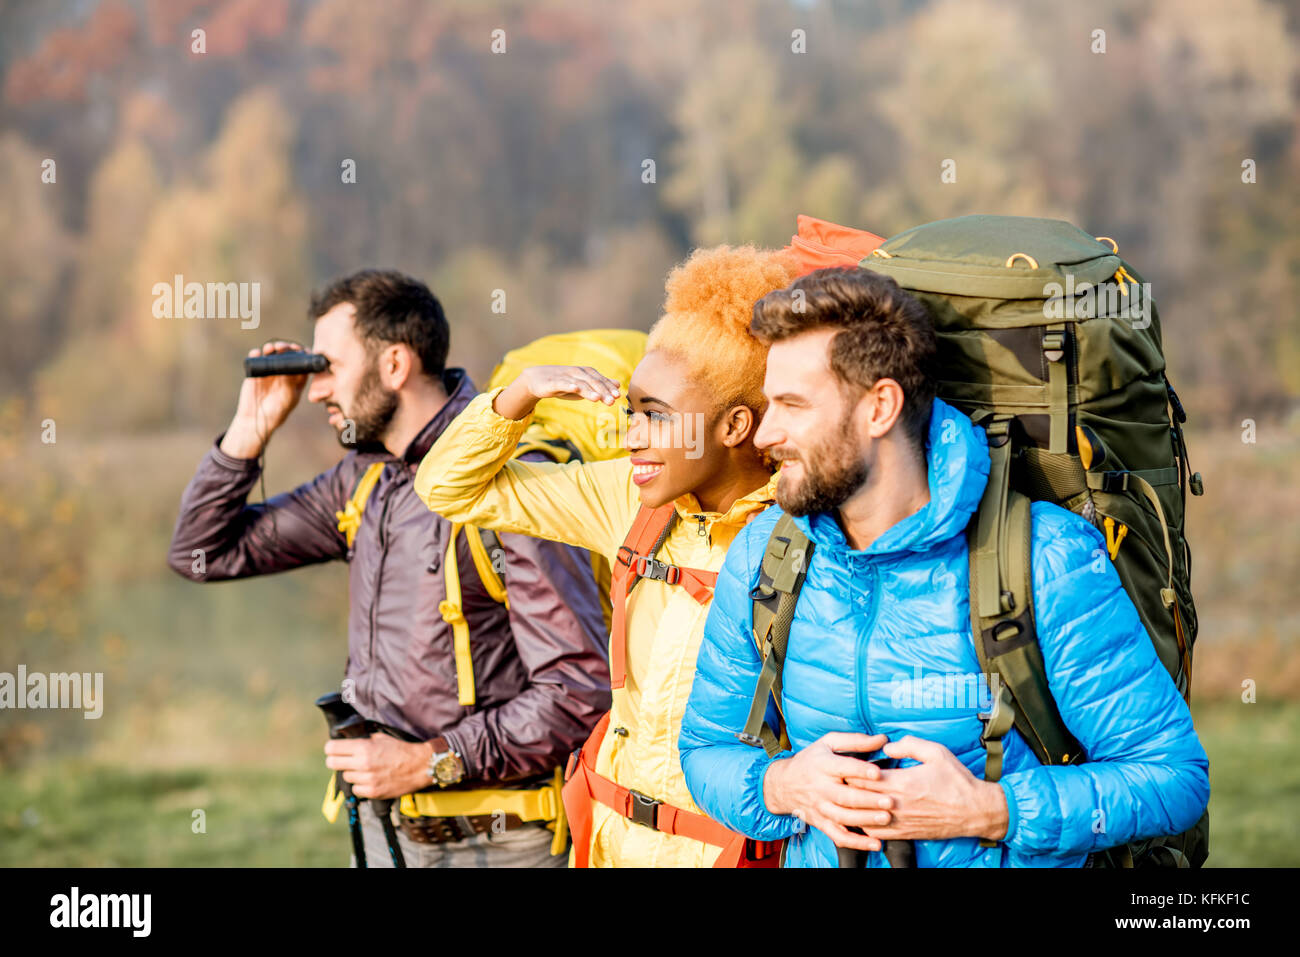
(349,520)
(451,614)
(1115,532)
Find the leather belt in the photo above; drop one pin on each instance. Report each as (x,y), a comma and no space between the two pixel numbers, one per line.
(443,830)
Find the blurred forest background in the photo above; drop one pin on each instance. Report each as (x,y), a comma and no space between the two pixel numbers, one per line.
(523,171)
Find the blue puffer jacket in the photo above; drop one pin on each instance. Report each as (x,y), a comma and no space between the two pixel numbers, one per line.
(881,643)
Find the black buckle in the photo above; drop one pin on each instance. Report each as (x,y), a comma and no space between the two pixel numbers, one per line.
(1114,481)
(644,810)
(660,571)
(631,554)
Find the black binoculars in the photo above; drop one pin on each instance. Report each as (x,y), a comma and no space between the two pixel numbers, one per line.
(285,363)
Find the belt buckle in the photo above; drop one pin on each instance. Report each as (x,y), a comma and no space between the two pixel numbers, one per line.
(644,810)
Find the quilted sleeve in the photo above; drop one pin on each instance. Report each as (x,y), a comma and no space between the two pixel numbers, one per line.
(1146,773)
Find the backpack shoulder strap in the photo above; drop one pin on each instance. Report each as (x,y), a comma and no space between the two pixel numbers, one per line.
(487,551)
(350,518)
(1003,625)
(781,575)
(453,613)
(489,555)
(649,530)
(484,548)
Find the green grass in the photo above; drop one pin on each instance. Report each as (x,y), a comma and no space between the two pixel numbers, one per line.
(1254,754)
(61,813)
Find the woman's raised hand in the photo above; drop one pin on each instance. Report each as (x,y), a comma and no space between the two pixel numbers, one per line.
(554,382)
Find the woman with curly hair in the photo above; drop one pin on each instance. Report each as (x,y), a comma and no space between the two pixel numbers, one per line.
(663,517)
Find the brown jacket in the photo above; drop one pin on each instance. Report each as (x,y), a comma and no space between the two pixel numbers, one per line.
(540,668)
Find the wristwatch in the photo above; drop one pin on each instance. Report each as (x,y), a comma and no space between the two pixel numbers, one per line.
(446,767)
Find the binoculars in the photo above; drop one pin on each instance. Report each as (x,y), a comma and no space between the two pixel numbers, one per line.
(285,363)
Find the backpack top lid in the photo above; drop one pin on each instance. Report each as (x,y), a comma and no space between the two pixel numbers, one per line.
(994,257)
(818,244)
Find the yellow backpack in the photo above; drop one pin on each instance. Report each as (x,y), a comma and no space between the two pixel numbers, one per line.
(566,431)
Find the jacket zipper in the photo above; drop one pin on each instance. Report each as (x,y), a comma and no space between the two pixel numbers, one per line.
(379,578)
(862,647)
(861,654)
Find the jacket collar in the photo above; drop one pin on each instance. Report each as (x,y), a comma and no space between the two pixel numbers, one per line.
(740,512)
(460,390)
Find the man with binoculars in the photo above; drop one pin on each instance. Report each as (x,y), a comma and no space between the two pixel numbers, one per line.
(483,697)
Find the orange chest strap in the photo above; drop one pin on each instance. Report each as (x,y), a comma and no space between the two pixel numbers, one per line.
(583,785)
(636,560)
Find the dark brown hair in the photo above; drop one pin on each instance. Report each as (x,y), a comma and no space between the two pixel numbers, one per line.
(391,308)
(884,333)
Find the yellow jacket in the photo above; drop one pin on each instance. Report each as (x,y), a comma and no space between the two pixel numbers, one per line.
(469,476)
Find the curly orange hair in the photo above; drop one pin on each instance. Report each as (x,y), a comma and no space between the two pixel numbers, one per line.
(708,306)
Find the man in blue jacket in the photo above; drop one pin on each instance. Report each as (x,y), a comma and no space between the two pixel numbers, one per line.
(883,478)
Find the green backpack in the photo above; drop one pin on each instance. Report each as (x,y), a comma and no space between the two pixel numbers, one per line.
(1051,342)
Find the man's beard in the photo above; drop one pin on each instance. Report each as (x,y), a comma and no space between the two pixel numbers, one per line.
(831,474)
(373,410)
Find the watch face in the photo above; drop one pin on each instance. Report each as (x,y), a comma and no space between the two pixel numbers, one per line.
(449,769)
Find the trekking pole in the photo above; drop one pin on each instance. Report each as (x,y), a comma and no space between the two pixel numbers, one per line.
(849,856)
(899,853)
(384,808)
(344,722)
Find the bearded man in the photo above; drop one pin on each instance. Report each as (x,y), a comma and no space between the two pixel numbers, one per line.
(882,478)
(535,667)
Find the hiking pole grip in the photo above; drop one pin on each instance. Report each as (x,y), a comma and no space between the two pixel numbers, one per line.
(899,853)
(356,726)
(343,721)
(850,856)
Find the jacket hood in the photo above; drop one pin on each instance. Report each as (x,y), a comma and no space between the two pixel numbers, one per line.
(957,467)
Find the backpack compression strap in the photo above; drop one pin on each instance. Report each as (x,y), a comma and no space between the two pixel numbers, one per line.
(636,560)
(785,565)
(1002,620)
